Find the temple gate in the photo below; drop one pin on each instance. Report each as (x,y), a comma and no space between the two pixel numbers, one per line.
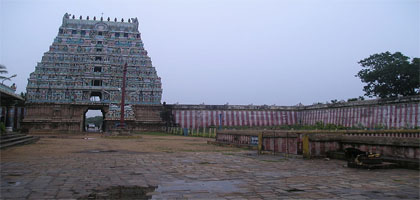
(84,69)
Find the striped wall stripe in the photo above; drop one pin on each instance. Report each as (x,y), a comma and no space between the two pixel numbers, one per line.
(389,116)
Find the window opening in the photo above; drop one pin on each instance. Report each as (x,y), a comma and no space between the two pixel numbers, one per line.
(97,82)
(97,69)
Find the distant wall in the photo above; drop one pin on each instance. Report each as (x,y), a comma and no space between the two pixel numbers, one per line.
(397,113)
(386,113)
(195,116)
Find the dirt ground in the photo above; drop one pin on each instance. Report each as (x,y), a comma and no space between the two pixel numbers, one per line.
(59,145)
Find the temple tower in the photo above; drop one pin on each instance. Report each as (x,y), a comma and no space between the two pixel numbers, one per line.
(83,69)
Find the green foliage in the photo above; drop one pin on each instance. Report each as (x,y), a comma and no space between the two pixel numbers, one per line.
(352,99)
(390,75)
(97,120)
(153,133)
(2,71)
(380,127)
(2,128)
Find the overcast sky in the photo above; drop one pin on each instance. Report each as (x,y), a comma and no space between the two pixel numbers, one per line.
(240,52)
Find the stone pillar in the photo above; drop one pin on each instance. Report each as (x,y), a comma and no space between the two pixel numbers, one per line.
(15,118)
(21,116)
(10,113)
(3,115)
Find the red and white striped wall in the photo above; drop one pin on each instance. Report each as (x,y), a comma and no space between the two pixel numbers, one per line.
(390,116)
(250,118)
(396,115)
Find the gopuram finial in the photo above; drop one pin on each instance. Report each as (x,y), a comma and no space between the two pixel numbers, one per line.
(122,19)
(129,21)
(115,20)
(65,17)
(73,17)
(136,22)
(80,17)
(87,18)
(108,19)
(94,18)
(102,19)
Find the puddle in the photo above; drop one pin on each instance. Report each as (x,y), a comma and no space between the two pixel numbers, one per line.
(159,192)
(111,151)
(206,163)
(121,192)
(88,138)
(227,186)
(295,190)
(12,183)
(97,151)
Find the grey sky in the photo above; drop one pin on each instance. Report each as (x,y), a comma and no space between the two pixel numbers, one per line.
(241,52)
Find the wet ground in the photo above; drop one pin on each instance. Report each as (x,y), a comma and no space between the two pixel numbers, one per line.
(177,167)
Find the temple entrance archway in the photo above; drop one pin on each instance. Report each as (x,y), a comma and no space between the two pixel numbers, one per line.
(94,119)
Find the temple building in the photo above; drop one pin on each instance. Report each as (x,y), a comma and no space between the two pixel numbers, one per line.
(83,70)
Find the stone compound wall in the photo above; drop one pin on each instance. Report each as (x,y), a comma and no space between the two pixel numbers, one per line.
(404,144)
(389,113)
(195,116)
(397,113)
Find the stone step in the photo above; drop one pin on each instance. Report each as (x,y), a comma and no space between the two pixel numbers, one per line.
(26,140)
(12,139)
(7,136)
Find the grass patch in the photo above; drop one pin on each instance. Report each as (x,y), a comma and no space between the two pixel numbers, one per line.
(165,149)
(153,133)
(122,137)
(210,150)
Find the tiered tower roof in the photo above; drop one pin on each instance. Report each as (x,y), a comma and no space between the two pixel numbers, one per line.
(85,65)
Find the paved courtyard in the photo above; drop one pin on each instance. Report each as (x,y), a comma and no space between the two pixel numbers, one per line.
(177,167)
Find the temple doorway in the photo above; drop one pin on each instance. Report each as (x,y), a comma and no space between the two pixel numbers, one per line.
(93,120)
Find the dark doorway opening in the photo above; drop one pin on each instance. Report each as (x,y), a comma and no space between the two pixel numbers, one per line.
(93,120)
(95,96)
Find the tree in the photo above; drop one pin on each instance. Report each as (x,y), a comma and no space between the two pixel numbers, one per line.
(2,71)
(390,75)
(97,120)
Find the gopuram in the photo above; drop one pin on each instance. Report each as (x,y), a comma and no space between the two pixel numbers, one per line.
(83,70)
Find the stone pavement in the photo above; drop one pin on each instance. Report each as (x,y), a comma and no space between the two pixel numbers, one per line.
(186,168)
